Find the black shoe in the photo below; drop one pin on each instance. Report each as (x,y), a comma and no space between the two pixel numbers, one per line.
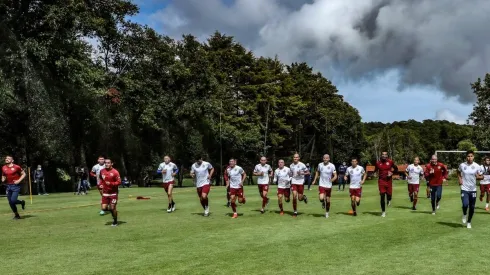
(287,200)
(354,214)
(411,199)
(413,208)
(228,204)
(262,211)
(295,214)
(23,203)
(305,199)
(114,224)
(16,218)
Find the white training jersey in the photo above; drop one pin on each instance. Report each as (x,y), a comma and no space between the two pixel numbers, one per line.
(266,169)
(355,175)
(468,174)
(282,177)
(96,169)
(414,173)
(486,174)
(201,173)
(169,168)
(235,176)
(296,177)
(326,174)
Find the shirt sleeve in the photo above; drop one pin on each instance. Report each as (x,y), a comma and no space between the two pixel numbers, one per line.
(192,169)
(270,169)
(333,169)
(175,168)
(363,171)
(408,169)
(117,178)
(275,177)
(210,166)
(459,168)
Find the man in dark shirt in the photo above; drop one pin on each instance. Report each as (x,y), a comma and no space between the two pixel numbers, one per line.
(39,180)
(340,179)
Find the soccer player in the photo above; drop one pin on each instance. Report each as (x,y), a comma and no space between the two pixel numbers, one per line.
(436,173)
(413,172)
(385,168)
(468,173)
(168,170)
(327,174)
(485,183)
(95,174)
(357,176)
(201,172)
(298,171)
(264,173)
(340,179)
(13,175)
(236,177)
(225,178)
(109,181)
(282,178)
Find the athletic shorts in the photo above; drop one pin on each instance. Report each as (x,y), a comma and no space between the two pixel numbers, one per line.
(166,185)
(203,190)
(325,190)
(109,199)
(236,192)
(300,188)
(385,188)
(412,188)
(485,188)
(263,187)
(356,192)
(284,191)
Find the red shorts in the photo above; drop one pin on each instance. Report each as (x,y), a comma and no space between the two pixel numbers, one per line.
(236,192)
(166,185)
(413,188)
(485,188)
(109,199)
(356,192)
(385,188)
(300,188)
(263,187)
(325,190)
(203,190)
(284,191)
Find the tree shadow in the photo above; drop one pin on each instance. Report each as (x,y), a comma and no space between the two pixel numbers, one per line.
(451,224)
(118,223)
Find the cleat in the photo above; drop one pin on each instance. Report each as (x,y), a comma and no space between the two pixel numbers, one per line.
(281,213)
(169,210)
(114,224)
(295,214)
(23,204)
(464,219)
(433,212)
(389,203)
(206,211)
(468,226)
(323,205)
(262,211)
(102,212)
(235,215)
(438,206)
(354,214)
(383,214)
(173,208)
(16,218)
(413,208)
(326,215)
(305,199)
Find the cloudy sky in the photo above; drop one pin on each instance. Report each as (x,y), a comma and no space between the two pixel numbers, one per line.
(391,59)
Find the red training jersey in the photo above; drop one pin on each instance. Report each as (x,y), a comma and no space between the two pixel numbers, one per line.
(440,173)
(383,167)
(12,173)
(110,181)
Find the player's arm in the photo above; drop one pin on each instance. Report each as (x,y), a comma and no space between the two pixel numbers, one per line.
(334,176)
(346,174)
(257,172)
(3,178)
(394,167)
(317,174)
(244,176)
(275,178)
(479,174)
(227,179)
(364,176)
(22,176)
(159,169)
(175,171)
(192,173)
(117,181)
(460,178)
(211,172)
(305,171)
(92,173)
(427,171)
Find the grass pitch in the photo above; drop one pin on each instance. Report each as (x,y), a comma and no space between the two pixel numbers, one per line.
(63,234)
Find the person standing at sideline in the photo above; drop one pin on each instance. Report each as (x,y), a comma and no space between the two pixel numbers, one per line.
(39,180)
(308,177)
(13,175)
(340,179)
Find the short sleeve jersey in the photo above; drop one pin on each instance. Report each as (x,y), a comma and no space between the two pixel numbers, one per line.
(235,176)
(112,176)
(96,169)
(201,173)
(296,178)
(486,174)
(266,169)
(11,174)
(468,174)
(326,172)
(414,172)
(355,175)
(282,177)
(169,168)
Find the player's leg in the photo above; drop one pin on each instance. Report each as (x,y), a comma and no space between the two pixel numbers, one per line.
(199,194)
(433,196)
(487,191)
(410,193)
(294,187)
(11,200)
(472,203)
(321,196)
(301,195)
(241,196)
(382,195)
(353,204)
(328,194)
(170,196)
(205,198)
(415,195)
(233,203)
(265,198)
(279,200)
(389,192)
(482,191)
(438,196)
(465,199)
(427,190)
(113,204)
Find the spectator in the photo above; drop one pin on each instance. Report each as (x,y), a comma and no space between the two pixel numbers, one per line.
(340,179)
(126,183)
(39,180)
(308,177)
(82,181)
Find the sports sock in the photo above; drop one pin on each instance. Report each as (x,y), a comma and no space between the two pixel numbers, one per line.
(382,202)
(328,206)
(264,201)
(280,207)
(233,207)
(295,203)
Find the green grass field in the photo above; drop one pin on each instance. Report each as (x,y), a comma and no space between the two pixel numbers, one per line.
(63,234)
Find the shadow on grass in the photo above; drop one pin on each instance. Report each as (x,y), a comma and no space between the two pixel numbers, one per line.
(231,214)
(317,215)
(118,223)
(404,207)
(199,213)
(290,213)
(451,224)
(27,217)
(344,213)
(373,213)
(422,212)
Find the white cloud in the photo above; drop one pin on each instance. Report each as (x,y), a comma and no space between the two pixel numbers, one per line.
(446,114)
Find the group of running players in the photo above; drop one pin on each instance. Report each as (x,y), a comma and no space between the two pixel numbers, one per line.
(289,180)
